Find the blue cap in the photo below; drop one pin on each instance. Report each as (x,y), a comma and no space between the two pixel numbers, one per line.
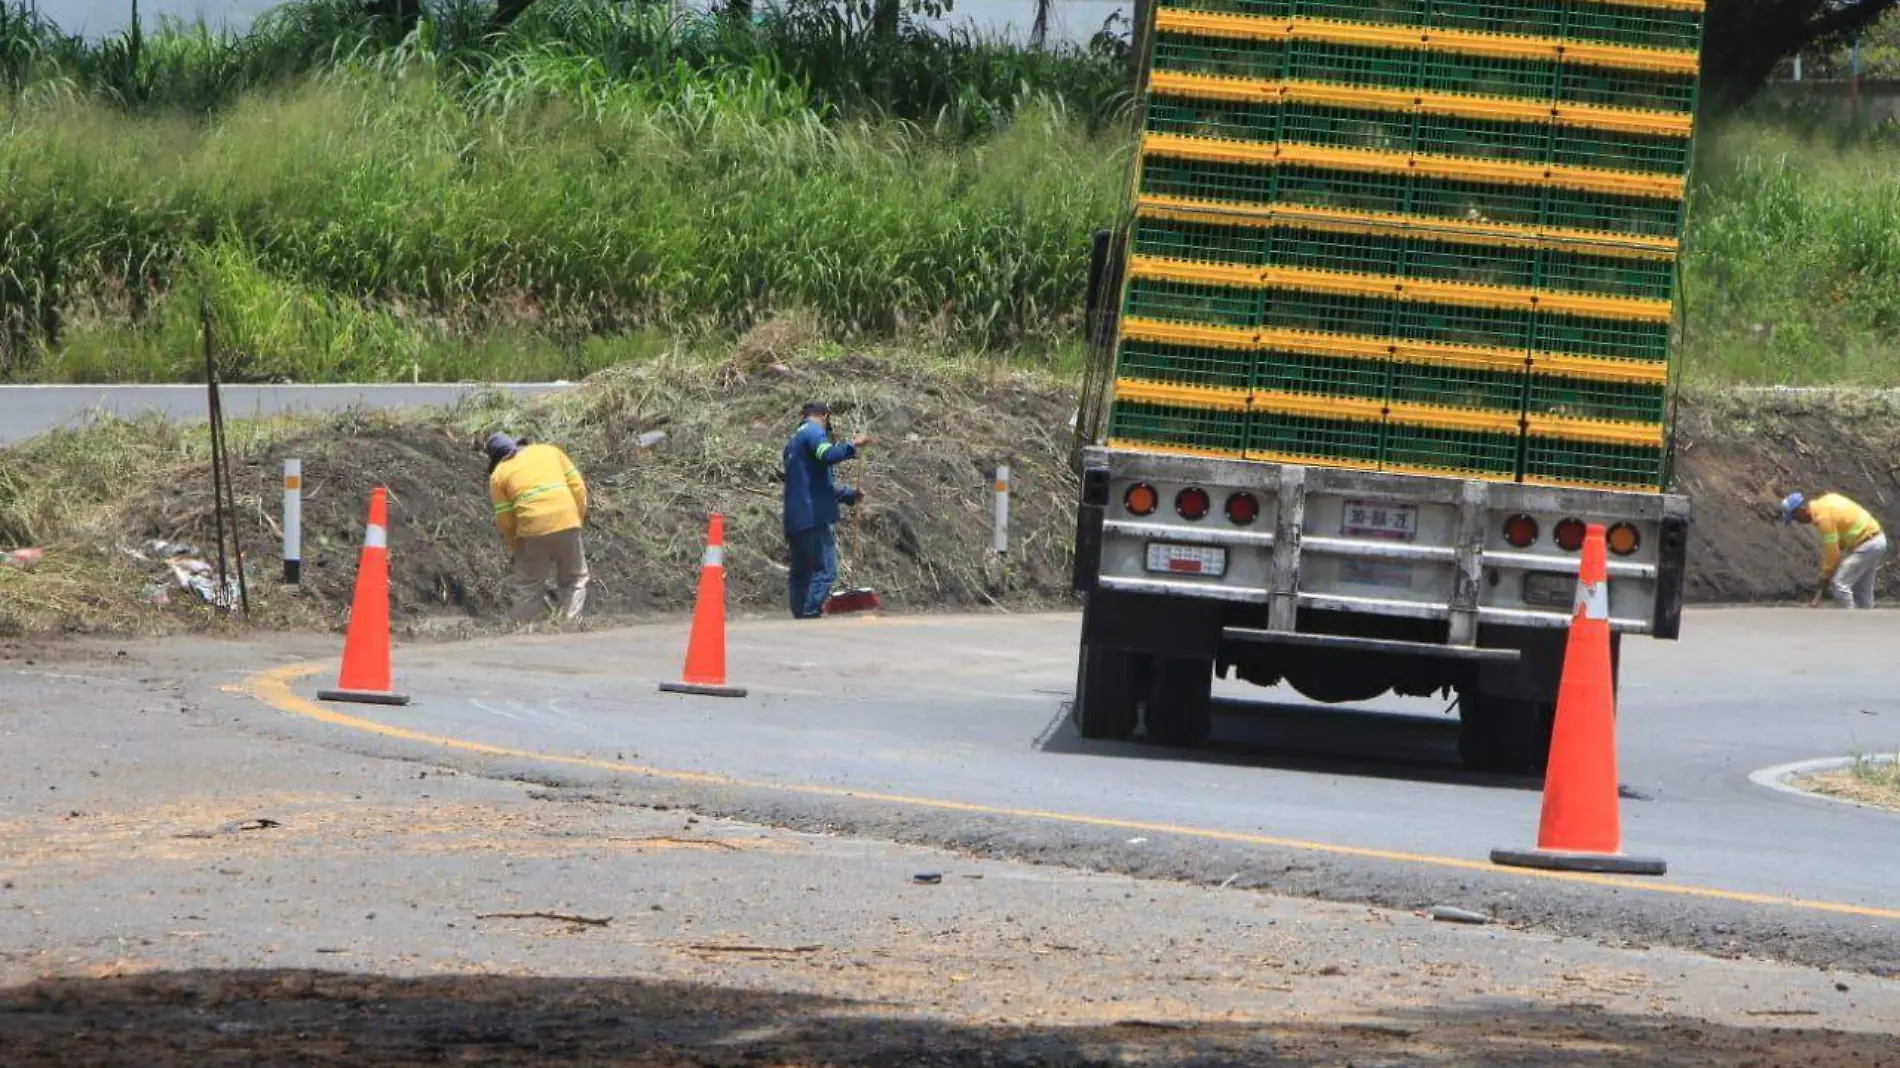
(1790,506)
(500,447)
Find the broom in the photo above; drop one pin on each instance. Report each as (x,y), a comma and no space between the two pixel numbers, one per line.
(860,598)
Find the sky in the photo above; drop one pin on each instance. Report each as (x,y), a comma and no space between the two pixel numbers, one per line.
(1076,20)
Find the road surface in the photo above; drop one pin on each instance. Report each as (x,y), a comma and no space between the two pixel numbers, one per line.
(28,411)
(952,730)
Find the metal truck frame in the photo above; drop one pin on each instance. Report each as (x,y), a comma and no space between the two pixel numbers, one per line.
(1346,584)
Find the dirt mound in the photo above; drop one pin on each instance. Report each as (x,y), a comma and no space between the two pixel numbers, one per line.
(921,539)
(1739,453)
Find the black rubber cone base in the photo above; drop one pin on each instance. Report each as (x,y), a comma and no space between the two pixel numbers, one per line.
(363,697)
(1600,863)
(702,691)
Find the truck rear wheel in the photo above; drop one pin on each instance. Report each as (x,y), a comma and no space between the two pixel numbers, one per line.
(1504,735)
(1108,689)
(1180,701)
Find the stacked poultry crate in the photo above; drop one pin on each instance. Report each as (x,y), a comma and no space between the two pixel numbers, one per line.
(1410,235)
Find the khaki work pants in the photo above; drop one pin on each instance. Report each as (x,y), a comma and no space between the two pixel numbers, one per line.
(557,557)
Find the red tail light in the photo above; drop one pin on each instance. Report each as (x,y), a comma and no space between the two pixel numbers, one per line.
(1243,509)
(1192,503)
(1520,531)
(1569,535)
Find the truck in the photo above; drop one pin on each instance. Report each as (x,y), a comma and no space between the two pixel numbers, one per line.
(1386,327)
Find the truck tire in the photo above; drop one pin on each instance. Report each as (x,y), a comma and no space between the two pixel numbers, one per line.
(1108,689)
(1504,735)
(1180,701)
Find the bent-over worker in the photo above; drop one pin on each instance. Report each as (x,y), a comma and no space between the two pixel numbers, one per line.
(811,508)
(540,506)
(1852,545)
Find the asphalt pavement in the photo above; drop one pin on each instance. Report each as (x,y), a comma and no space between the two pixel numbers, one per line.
(953,730)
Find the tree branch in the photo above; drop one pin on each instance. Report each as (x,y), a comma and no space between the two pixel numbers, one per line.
(1845,20)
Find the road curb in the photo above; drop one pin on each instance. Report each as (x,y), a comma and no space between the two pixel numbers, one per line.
(1780,778)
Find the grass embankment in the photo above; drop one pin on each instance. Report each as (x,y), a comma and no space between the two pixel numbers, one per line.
(597,180)
(1867,781)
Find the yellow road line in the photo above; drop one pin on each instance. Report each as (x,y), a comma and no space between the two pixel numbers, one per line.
(272,688)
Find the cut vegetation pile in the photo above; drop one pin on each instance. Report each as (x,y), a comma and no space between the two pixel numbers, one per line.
(942,425)
(923,541)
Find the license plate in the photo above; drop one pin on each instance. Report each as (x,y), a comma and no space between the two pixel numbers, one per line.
(1202,560)
(1547,590)
(1383,521)
(1379,519)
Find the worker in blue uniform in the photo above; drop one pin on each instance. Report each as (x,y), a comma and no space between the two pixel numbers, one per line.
(811,508)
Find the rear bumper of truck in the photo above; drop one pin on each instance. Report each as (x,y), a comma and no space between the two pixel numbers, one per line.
(1468,559)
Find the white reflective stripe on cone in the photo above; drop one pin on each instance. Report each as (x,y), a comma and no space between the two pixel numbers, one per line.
(715,556)
(376,538)
(1593,600)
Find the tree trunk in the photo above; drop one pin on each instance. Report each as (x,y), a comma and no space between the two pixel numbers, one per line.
(885,17)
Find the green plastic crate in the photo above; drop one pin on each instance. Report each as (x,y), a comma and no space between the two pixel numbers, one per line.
(1342,253)
(1512,142)
(1275,435)
(1642,27)
(1199,242)
(1319,376)
(1451,385)
(1482,453)
(1344,64)
(1328,313)
(1192,302)
(1177,426)
(1610,276)
(1614,88)
(1227,120)
(1185,365)
(1449,324)
(1337,127)
(1221,183)
(1224,57)
(1607,151)
(1566,460)
(1619,339)
(1584,398)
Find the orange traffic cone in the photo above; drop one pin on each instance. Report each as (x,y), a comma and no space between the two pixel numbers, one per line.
(1581,830)
(706,649)
(365,677)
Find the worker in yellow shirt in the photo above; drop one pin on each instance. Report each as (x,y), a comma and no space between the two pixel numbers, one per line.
(1852,546)
(540,505)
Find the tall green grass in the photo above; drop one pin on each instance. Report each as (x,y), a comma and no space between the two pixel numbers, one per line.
(1792,260)
(332,223)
